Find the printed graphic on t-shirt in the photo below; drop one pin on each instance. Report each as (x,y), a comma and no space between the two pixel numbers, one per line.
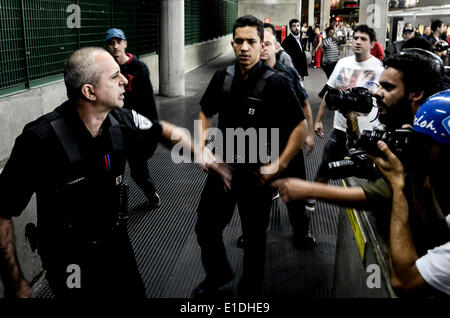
(350,77)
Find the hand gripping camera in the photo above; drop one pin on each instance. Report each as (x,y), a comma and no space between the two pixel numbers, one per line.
(357,99)
(400,142)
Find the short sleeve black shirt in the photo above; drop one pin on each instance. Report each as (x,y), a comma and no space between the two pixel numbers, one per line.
(38,161)
(293,75)
(279,106)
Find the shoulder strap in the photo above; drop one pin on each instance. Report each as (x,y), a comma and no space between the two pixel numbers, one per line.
(228,81)
(260,84)
(259,87)
(116,134)
(67,139)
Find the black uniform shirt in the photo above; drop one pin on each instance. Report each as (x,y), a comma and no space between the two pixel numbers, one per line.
(279,107)
(139,93)
(293,75)
(39,164)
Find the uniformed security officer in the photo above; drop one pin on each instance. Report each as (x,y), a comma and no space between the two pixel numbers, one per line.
(247,95)
(300,222)
(74,159)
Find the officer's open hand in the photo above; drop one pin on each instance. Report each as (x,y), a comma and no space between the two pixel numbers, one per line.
(391,167)
(291,189)
(210,164)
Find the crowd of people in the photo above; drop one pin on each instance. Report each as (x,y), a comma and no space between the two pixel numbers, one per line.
(323,45)
(409,82)
(110,117)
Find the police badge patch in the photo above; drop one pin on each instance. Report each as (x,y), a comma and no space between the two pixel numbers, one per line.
(141,122)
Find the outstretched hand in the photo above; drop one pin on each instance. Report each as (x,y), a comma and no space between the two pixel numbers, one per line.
(291,189)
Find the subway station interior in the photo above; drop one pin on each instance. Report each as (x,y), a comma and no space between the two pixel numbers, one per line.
(183,43)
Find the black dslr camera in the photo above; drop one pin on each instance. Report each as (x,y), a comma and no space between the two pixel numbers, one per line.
(400,142)
(357,99)
(357,165)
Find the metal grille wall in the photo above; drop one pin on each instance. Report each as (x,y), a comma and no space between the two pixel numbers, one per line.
(206,20)
(36,37)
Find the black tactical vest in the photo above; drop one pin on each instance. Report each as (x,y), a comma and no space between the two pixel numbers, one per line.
(81,209)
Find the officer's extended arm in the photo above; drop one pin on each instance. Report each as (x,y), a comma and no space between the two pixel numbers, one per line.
(9,268)
(208,160)
(173,134)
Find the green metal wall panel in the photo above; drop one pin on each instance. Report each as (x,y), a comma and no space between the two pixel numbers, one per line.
(206,20)
(35,39)
(48,40)
(12,54)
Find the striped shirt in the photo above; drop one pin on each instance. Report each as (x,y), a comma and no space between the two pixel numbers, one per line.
(330,50)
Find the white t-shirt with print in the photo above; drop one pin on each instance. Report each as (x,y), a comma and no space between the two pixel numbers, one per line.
(349,73)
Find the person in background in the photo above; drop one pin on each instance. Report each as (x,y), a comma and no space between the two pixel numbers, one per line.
(437,28)
(317,48)
(426,32)
(311,36)
(396,46)
(139,96)
(330,47)
(377,50)
(305,35)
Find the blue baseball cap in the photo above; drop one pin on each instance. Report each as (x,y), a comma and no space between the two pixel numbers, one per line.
(433,117)
(114,33)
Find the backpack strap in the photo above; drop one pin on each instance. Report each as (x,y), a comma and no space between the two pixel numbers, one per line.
(116,134)
(259,87)
(228,81)
(67,139)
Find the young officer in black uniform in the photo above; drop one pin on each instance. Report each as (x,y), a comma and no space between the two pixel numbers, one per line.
(139,96)
(74,160)
(247,95)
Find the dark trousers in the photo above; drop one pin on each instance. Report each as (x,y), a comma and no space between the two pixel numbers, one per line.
(140,174)
(335,149)
(304,43)
(214,213)
(107,269)
(296,209)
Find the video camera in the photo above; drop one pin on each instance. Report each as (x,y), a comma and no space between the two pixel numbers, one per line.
(357,99)
(399,141)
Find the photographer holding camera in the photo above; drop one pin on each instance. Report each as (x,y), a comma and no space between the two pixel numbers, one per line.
(409,78)
(412,270)
(359,70)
